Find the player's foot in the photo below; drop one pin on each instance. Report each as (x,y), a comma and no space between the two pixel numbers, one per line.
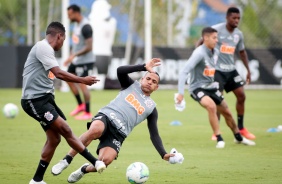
(84,116)
(59,167)
(220,144)
(37,182)
(213,138)
(100,166)
(246,142)
(76,175)
(78,109)
(244,132)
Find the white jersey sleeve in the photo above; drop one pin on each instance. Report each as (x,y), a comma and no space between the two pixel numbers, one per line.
(240,45)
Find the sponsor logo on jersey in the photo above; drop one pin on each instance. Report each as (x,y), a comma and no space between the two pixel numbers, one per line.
(51,75)
(209,72)
(227,49)
(75,39)
(135,103)
(48,116)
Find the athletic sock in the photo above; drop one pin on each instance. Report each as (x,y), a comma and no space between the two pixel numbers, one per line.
(219,138)
(78,99)
(87,107)
(42,166)
(83,169)
(238,137)
(68,158)
(88,156)
(240,119)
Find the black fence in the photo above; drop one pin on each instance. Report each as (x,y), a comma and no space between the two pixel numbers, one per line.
(265,64)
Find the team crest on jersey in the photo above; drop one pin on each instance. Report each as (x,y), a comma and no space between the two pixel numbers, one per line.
(149,103)
(236,38)
(48,116)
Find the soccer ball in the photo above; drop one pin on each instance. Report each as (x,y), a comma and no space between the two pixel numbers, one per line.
(137,173)
(10,110)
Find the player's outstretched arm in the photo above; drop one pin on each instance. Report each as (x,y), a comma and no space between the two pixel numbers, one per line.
(152,63)
(66,76)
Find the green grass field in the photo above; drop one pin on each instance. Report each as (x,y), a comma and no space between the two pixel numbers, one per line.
(22,139)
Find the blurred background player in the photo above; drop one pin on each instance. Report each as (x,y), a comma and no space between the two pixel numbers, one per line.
(38,101)
(203,88)
(230,39)
(81,61)
(114,122)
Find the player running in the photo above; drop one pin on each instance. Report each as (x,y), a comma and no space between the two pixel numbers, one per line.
(230,39)
(203,88)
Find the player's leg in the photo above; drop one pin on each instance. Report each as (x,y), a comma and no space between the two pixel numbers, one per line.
(221,79)
(106,154)
(62,127)
(226,113)
(75,91)
(235,85)
(87,70)
(210,106)
(108,149)
(95,130)
(53,140)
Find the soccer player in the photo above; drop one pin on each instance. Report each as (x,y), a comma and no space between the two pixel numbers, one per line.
(203,88)
(230,39)
(81,60)
(114,122)
(38,99)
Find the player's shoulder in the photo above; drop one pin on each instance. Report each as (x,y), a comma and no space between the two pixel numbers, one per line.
(219,26)
(44,47)
(199,51)
(43,44)
(238,31)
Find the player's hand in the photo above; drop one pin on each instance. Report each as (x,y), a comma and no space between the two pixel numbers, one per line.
(178,98)
(89,80)
(152,63)
(248,77)
(177,158)
(167,156)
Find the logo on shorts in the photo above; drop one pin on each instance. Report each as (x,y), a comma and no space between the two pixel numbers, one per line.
(200,94)
(117,143)
(98,117)
(43,123)
(48,116)
(238,78)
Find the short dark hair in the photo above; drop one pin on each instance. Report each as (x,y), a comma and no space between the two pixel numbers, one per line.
(154,73)
(232,10)
(208,30)
(55,27)
(74,8)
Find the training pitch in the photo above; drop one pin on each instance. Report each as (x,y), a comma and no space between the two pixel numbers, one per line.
(22,140)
